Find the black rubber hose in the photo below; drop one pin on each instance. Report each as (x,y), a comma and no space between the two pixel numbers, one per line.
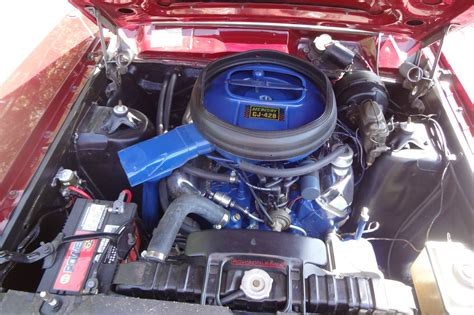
(163,194)
(189,225)
(169,100)
(295,171)
(198,172)
(231,297)
(160,108)
(166,231)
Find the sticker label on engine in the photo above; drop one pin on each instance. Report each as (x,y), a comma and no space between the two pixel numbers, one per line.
(263,112)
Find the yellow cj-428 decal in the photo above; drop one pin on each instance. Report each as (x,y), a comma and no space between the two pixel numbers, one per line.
(263,112)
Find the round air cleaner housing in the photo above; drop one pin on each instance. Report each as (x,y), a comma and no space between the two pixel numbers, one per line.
(264,106)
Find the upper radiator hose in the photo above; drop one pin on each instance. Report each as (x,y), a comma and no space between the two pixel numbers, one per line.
(166,231)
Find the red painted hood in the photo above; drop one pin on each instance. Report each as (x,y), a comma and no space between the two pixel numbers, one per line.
(415,18)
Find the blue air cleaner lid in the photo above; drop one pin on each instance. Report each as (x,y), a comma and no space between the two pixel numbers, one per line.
(263,97)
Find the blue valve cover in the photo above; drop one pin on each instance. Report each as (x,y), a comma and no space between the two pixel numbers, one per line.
(263,97)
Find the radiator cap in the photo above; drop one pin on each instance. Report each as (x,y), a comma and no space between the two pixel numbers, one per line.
(256,284)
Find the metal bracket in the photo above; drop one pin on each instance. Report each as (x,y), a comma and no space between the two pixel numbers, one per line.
(434,67)
(104,21)
(426,83)
(439,36)
(117,61)
(103,46)
(377,53)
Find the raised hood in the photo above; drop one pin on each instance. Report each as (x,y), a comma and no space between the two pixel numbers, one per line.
(414,18)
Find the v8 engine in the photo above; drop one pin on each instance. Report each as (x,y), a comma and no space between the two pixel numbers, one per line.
(253,115)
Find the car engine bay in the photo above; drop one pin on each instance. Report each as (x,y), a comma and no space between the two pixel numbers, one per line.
(262,182)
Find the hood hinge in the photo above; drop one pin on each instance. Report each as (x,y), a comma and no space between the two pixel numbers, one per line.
(116,57)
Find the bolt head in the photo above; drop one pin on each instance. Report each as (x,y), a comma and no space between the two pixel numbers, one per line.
(120,110)
(236,217)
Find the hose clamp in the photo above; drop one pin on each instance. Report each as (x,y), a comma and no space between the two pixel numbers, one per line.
(153,255)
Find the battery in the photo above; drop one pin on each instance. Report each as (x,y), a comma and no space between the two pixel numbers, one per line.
(88,266)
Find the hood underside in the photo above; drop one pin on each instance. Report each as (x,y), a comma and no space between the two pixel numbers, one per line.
(414,18)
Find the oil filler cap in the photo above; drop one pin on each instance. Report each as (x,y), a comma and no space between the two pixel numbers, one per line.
(256,284)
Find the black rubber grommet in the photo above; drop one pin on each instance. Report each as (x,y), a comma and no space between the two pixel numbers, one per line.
(264,145)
